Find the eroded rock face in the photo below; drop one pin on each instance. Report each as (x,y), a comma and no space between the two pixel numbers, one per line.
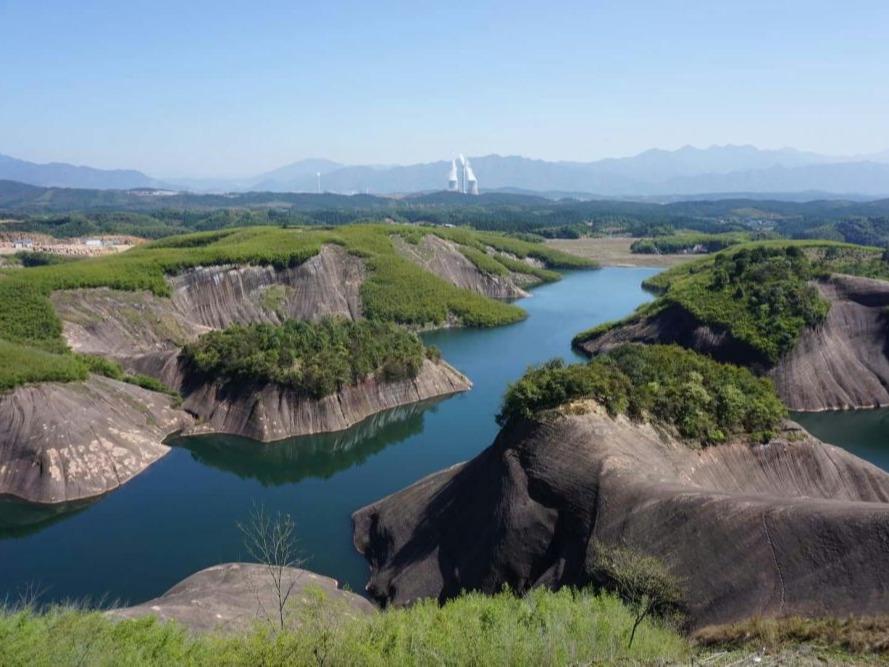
(791,527)
(444,259)
(271,412)
(128,325)
(843,363)
(145,333)
(235,596)
(62,442)
(324,285)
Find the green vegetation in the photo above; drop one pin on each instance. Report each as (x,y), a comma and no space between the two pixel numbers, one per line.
(102,366)
(396,290)
(688,242)
(39,258)
(760,293)
(68,212)
(21,365)
(541,628)
(705,401)
(316,358)
(643,582)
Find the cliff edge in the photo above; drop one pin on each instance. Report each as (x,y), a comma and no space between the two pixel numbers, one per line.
(843,363)
(61,442)
(793,526)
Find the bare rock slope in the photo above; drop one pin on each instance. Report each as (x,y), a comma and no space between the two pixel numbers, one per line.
(127,325)
(65,442)
(444,259)
(61,442)
(271,412)
(841,364)
(145,333)
(235,596)
(794,526)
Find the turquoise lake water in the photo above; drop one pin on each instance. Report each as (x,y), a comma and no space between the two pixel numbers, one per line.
(181,514)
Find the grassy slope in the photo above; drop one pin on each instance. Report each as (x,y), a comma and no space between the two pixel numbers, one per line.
(543,628)
(691,286)
(396,289)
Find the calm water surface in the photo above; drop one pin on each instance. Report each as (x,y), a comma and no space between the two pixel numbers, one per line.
(181,514)
(865,433)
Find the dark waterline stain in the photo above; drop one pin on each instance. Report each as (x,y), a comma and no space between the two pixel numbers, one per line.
(181,514)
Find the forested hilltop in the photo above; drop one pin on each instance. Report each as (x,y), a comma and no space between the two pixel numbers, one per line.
(760,293)
(64,212)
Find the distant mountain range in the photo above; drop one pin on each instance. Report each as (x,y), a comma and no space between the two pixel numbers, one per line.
(686,171)
(62,175)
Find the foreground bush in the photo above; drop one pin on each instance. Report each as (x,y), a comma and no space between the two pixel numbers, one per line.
(703,400)
(543,628)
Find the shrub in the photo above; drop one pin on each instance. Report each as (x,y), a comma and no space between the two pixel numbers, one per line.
(705,401)
(643,582)
(760,293)
(317,358)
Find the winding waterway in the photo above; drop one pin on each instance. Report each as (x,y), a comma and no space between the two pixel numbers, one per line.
(182,514)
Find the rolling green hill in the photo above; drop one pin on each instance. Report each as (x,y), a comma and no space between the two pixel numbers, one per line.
(395,290)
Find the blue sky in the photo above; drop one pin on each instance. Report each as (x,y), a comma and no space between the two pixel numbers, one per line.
(231,88)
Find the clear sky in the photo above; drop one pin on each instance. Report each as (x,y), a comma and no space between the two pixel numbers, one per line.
(230,88)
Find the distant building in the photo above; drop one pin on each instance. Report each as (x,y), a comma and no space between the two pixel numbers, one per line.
(93,243)
(462,179)
(23,244)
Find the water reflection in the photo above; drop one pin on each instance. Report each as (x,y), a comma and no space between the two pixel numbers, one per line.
(319,456)
(19,518)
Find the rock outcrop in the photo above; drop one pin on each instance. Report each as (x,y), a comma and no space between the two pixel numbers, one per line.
(145,333)
(62,442)
(129,325)
(233,597)
(845,362)
(271,412)
(444,259)
(324,285)
(841,364)
(794,526)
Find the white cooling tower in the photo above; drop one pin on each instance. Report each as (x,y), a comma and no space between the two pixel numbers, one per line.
(471,182)
(452,177)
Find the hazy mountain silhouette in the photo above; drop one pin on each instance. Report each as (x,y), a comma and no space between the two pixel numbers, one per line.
(60,174)
(685,171)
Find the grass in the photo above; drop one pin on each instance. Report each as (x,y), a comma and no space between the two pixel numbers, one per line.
(23,365)
(542,628)
(704,401)
(859,636)
(758,292)
(396,290)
